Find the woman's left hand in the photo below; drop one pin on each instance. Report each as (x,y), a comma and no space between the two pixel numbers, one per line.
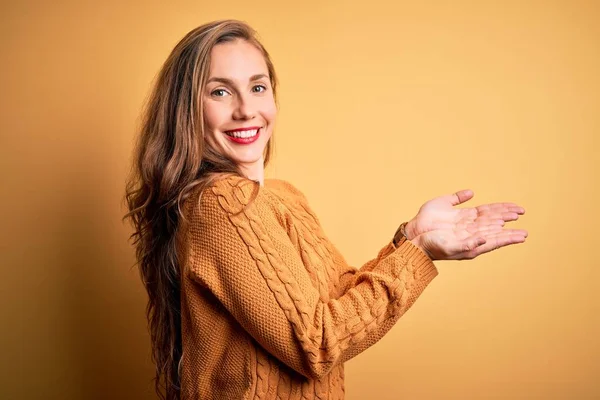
(448,233)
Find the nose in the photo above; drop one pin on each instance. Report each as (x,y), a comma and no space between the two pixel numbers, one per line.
(244,108)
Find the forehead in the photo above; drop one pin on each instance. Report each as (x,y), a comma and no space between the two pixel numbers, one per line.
(236,60)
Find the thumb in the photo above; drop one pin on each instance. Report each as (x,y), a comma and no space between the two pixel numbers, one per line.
(466,248)
(472,243)
(461,196)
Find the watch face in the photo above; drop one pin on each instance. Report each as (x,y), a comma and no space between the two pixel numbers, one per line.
(399,236)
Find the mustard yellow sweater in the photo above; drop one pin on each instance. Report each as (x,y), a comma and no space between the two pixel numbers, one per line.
(270,309)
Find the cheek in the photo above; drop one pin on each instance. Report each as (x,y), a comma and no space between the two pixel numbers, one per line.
(212,122)
(270,112)
(214,116)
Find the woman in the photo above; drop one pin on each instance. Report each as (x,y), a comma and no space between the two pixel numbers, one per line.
(247,297)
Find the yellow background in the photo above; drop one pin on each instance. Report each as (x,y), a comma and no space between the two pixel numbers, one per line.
(384,105)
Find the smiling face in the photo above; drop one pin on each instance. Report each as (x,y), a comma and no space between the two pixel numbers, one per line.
(239,105)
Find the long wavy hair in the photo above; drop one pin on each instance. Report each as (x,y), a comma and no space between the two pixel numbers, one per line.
(172,158)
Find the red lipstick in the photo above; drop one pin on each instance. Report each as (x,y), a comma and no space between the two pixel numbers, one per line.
(243,140)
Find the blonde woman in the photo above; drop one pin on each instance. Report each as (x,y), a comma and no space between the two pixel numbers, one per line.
(248,299)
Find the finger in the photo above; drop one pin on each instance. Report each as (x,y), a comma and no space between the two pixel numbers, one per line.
(499,209)
(505,216)
(465,245)
(492,242)
(509,232)
(488,232)
(501,206)
(518,209)
(498,240)
(461,196)
(482,221)
(472,226)
(474,229)
(472,215)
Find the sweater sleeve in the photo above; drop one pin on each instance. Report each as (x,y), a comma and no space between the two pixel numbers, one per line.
(243,255)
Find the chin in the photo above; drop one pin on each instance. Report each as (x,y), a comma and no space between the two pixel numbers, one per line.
(247,159)
(249,155)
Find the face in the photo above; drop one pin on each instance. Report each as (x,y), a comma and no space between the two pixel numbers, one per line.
(239,107)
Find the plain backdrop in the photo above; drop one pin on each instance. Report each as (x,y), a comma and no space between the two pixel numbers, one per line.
(383,106)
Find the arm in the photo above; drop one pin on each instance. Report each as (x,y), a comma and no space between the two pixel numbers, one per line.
(244,256)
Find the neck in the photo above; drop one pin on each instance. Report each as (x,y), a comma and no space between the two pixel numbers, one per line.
(254,171)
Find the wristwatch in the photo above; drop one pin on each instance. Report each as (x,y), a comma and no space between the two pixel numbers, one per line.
(400,235)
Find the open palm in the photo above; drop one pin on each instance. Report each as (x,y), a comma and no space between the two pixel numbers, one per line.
(449,233)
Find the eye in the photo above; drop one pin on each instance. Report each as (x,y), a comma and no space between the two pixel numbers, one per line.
(219,93)
(259,88)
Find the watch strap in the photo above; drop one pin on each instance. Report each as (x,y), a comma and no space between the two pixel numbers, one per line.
(400,235)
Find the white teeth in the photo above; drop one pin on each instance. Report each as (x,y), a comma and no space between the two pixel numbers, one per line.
(244,134)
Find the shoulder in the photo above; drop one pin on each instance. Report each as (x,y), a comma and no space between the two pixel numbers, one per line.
(232,193)
(229,194)
(285,188)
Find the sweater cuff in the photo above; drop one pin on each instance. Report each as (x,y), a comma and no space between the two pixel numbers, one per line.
(424,269)
(387,250)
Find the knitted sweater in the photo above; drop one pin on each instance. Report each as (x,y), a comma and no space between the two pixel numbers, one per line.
(269,307)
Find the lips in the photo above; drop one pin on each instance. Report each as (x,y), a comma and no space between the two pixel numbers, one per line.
(244,135)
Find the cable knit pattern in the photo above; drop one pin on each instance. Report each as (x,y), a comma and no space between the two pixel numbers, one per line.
(270,309)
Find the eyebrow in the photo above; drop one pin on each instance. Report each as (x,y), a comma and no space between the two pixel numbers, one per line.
(229,81)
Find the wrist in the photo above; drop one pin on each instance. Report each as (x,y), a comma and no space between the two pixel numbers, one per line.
(418,243)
